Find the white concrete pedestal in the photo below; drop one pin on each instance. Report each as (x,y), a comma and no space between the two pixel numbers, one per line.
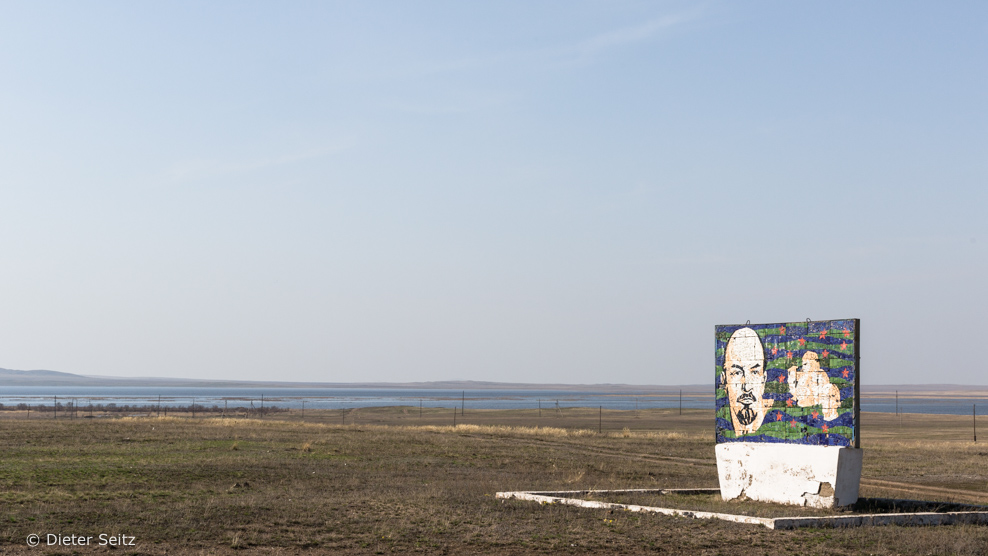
(818,476)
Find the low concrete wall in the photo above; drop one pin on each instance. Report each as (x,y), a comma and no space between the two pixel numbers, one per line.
(547,498)
(904,519)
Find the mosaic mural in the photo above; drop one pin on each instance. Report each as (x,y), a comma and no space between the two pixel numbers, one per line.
(794,382)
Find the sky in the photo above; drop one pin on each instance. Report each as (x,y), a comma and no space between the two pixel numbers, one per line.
(537,191)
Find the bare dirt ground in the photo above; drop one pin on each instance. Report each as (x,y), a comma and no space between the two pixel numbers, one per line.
(392,480)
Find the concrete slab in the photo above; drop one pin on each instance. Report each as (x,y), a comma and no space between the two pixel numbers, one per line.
(855,520)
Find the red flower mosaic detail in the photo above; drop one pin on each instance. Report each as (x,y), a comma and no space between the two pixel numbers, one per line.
(778,416)
(816,414)
(782,330)
(825,428)
(846,373)
(789,402)
(782,378)
(825,353)
(802,342)
(775,350)
(843,346)
(847,333)
(823,334)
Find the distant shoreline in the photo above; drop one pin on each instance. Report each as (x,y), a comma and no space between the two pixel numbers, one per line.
(10,377)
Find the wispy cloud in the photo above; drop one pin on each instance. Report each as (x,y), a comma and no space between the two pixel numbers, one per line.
(627,35)
(463,104)
(586,50)
(580,50)
(210,168)
(574,52)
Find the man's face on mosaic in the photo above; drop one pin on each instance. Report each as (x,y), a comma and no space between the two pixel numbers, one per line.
(744,374)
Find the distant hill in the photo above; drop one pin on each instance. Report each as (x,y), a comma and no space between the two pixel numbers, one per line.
(9,377)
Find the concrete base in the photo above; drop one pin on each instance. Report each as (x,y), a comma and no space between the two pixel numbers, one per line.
(817,476)
(974,516)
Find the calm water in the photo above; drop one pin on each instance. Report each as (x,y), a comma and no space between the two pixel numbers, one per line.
(336,398)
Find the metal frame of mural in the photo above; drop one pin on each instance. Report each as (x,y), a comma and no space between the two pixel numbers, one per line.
(793,382)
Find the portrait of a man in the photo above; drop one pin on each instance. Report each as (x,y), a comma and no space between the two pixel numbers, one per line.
(744,380)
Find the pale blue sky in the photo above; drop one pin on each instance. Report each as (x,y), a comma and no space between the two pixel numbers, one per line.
(511,191)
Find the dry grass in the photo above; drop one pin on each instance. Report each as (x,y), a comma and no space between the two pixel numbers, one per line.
(390,481)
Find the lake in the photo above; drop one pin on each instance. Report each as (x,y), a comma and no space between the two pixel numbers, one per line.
(345,398)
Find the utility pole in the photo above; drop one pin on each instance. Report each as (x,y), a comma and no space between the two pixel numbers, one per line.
(600,420)
(463,402)
(680,402)
(974,419)
(897,414)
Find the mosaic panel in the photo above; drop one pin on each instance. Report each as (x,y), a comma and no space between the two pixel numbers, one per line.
(794,382)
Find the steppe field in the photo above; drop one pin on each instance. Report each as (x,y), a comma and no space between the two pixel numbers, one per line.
(392,480)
